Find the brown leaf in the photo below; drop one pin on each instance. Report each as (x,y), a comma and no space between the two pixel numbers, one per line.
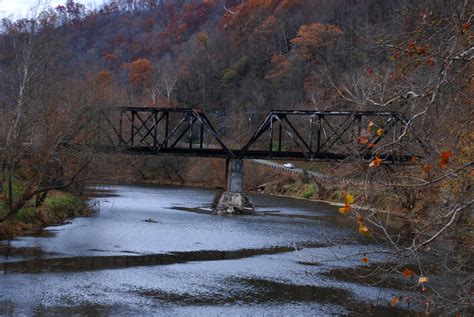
(363,139)
(426,168)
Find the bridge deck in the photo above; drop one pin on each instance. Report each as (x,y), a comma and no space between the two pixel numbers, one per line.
(251,154)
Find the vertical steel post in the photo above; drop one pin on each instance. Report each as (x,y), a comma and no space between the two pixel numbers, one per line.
(133,126)
(320,127)
(120,129)
(201,140)
(155,130)
(165,143)
(271,135)
(191,123)
(280,128)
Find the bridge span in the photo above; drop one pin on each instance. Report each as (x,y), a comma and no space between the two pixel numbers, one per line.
(341,136)
(296,135)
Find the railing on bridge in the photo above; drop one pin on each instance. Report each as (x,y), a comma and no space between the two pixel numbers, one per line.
(299,135)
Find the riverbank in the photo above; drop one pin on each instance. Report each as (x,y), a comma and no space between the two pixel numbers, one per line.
(57,208)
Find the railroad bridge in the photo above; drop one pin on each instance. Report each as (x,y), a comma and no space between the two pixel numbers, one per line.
(283,135)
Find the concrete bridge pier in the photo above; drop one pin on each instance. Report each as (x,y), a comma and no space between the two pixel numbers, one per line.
(234,176)
(233,200)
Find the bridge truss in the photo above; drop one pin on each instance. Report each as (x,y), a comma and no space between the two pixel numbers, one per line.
(296,135)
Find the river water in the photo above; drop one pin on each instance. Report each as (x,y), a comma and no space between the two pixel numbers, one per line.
(154,250)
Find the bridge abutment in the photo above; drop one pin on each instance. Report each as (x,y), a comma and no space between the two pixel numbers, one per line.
(233,200)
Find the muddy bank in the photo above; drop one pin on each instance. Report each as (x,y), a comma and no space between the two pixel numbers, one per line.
(58,208)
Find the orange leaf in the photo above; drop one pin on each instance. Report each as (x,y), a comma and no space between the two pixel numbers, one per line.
(359,218)
(344,210)
(408,273)
(444,158)
(395,300)
(466,26)
(446,155)
(363,139)
(364,260)
(376,162)
(363,230)
(430,61)
(426,168)
(423,279)
(371,145)
(380,132)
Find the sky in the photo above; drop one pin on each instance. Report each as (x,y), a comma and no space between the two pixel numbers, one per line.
(19,8)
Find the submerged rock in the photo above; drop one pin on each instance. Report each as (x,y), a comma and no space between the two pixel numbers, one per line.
(232,203)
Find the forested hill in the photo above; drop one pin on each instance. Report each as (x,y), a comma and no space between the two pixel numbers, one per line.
(236,55)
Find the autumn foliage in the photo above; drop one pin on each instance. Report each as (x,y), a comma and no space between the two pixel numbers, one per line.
(314,36)
(140,72)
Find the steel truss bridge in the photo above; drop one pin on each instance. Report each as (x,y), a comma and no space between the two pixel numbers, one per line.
(296,135)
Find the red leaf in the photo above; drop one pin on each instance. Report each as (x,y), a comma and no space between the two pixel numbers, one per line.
(444,158)
(408,273)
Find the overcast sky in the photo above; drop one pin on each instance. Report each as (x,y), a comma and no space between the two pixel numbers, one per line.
(19,8)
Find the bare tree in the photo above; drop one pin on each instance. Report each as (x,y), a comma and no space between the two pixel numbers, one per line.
(429,79)
(40,117)
(163,82)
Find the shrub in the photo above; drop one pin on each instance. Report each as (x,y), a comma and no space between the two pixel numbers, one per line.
(309,192)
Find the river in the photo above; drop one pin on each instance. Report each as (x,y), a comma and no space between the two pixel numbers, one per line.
(156,250)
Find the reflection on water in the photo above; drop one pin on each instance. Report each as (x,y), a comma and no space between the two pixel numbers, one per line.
(152,250)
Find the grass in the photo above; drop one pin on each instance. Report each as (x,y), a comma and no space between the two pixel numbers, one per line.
(57,207)
(309,191)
